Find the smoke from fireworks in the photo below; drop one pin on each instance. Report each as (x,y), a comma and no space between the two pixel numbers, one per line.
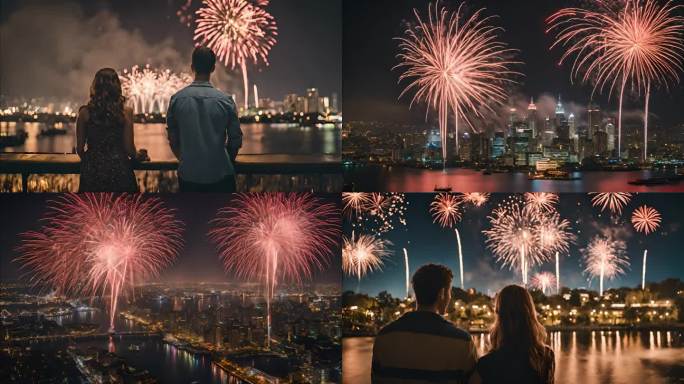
(275,236)
(522,236)
(639,44)
(454,62)
(238,31)
(613,201)
(543,281)
(101,244)
(149,89)
(605,258)
(477,199)
(645,219)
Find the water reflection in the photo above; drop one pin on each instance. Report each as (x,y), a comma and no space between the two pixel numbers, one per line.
(587,357)
(257,139)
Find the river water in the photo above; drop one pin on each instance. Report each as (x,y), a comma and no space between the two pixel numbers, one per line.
(257,139)
(402,179)
(586,357)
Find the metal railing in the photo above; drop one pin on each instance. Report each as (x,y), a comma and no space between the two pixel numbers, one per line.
(50,172)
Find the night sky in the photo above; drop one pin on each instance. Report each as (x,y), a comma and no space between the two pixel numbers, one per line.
(59,40)
(197,261)
(429,243)
(370,86)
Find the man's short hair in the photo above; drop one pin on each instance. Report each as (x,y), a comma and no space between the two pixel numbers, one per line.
(203,60)
(428,280)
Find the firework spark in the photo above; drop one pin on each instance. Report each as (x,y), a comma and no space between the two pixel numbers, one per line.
(454,62)
(275,236)
(645,219)
(477,199)
(377,212)
(238,31)
(445,209)
(605,258)
(543,280)
(149,89)
(543,201)
(521,236)
(355,202)
(364,254)
(101,245)
(639,44)
(613,201)
(406,267)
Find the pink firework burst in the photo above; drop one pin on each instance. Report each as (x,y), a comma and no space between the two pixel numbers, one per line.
(445,209)
(101,244)
(275,236)
(605,258)
(646,219)
(477,199)
(639,43)
(543,201)
(522,236)
(543,281)
(613,201)
(363,254)
(454,63)
(238,31)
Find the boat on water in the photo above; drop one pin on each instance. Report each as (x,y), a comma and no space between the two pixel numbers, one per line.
(53,129)
(443,189)
(552,174)
(656,181)
(13,139)
(134,347)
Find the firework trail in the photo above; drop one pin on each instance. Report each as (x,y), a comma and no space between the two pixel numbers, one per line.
(605,258)
(477,199)
(406,265)
(557,275)
(522,236)
(646,220)
(445,210)
(454,62)
(275,236)
(101,244)
(543,201)
(639,44)
(543,281)
(238,31)
(613,201)
(148,87)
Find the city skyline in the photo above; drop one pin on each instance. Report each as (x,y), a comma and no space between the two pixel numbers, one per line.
(426,242)
(197,260)
(372,92)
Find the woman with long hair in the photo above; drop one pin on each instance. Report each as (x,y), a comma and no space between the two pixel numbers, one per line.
(104,133)
(519,353)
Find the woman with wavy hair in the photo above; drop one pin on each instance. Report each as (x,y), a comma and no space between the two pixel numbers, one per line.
(104,133)
(519,353)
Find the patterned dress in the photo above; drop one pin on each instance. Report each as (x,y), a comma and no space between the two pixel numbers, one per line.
(105,166)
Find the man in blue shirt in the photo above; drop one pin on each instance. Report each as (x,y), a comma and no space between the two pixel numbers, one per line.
(204,131)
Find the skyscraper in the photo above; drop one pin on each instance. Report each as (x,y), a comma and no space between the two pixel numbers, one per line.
(532,117)
(594,120)
(312,101)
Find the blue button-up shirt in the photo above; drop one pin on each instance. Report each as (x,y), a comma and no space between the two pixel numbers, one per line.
(203,124)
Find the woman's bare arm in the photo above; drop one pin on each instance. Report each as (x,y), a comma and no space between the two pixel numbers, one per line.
(129,144)
(81,131)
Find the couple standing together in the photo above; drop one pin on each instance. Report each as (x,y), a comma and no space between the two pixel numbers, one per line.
(422,346)
(203,131)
